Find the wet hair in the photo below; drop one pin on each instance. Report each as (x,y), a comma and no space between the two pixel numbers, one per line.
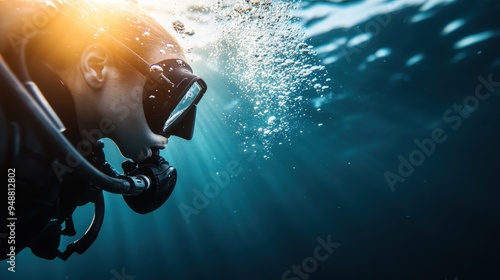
(80,23)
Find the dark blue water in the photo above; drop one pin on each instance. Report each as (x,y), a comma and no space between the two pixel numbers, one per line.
(435,218)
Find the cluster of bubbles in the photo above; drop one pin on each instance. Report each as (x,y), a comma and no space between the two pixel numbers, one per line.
(262,51)
(180,28)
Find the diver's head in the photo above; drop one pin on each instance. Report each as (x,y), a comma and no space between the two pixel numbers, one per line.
(126,74)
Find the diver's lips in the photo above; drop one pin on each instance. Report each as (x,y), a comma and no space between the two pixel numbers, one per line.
(155,150)
(158,147)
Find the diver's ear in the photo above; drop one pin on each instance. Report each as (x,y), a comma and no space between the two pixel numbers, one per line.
(94,64)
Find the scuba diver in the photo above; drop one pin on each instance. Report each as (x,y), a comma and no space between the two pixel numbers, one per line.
(71,73)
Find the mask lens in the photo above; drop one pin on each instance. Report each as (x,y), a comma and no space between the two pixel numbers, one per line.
(187,100)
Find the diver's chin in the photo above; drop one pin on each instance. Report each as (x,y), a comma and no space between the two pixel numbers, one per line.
(146,153)
(139,157)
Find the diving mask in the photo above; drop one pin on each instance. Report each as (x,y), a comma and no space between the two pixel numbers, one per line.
(170,96)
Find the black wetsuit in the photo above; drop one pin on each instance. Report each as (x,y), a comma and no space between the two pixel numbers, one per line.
(43,202)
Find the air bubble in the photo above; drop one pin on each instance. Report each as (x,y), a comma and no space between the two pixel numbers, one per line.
(155,69)
(189,32)
(178,25)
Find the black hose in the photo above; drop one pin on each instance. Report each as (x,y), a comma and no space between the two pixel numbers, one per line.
(81,245)
(46,127)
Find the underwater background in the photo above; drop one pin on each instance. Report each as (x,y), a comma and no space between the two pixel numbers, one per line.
(367,129)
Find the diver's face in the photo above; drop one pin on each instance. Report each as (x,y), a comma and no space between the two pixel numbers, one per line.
(130,130)
(132,133)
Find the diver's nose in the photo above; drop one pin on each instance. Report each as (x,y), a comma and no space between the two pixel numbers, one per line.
(159,142)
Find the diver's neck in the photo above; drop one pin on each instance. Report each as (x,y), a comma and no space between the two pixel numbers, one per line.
(91,126)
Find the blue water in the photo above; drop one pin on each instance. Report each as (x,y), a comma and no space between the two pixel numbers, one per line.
(318,171)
